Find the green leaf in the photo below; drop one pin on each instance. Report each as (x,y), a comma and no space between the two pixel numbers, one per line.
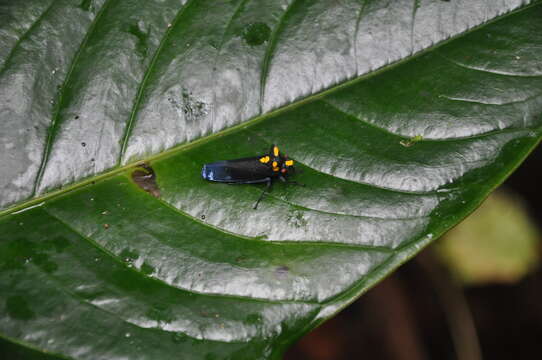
(402,117)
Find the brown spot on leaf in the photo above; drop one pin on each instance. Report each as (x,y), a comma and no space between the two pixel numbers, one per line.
(145,177)
(282,271)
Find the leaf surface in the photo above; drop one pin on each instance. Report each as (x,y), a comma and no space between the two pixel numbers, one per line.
(401,115)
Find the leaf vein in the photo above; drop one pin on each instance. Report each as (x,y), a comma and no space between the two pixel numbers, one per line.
(356,32)
(162,282)
(269,53)
(24,36)
(489,71)
(143,84)
(236,13)
(56,112)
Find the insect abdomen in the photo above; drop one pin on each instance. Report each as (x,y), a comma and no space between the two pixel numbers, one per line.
(216,172)
(242,171)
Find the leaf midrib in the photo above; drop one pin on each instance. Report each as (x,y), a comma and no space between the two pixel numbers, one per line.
(259,118)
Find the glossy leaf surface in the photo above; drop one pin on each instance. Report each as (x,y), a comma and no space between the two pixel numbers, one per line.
(401,116)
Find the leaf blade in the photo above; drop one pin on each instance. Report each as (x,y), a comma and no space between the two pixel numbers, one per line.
(383,183)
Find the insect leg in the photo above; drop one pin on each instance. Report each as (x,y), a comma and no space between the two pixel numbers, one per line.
(283,179)
(295,183)
(267,188)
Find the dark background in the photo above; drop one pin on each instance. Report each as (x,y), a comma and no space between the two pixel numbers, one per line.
(412,315)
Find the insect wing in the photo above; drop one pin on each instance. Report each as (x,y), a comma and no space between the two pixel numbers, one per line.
(242,171)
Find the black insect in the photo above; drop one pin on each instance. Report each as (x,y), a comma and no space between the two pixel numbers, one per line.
(251,170)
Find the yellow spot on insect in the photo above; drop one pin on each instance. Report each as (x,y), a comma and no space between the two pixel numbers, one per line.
(289,162)
(275,164)
(276,151)
(275,169)
(264,160)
